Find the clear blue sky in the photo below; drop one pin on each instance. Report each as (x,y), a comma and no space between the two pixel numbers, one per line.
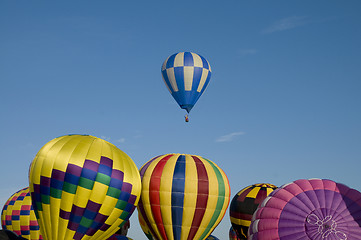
(284,101)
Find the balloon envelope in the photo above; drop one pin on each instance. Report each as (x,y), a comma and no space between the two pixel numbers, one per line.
(82,187)
(183,196)
(18,216)
(316,209)
(186,76)
(245,203)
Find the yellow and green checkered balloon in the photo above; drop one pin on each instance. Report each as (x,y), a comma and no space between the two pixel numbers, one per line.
(18,216)
(82,187)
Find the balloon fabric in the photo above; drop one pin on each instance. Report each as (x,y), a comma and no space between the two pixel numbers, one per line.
(82,187)
(186,76)
(144,227)
(245,203)
(211,237)
(183,196)
(119,237)
(19,217)
(316,209)
(232,234)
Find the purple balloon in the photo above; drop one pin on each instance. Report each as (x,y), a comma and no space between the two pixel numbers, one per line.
(317,209)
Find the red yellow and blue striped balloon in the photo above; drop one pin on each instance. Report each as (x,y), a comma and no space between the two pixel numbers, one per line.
(82,187)
(184,197)
(18,216)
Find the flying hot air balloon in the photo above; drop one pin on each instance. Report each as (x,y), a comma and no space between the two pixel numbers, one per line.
(186,76)
(184,197)
(82,187)
(18,216)
(315,209)
(245,203)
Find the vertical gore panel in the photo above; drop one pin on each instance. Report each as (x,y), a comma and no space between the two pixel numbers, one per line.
(154,195)
(178,196)
(202,197)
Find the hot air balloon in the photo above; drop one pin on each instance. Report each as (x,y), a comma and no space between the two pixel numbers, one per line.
(245,203)
(317,209)
(82,187)
(186,76)
(232,234)
(18,216)
(144,227)
(183,196)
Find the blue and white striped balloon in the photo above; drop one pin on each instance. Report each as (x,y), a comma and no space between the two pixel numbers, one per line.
(186,76)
